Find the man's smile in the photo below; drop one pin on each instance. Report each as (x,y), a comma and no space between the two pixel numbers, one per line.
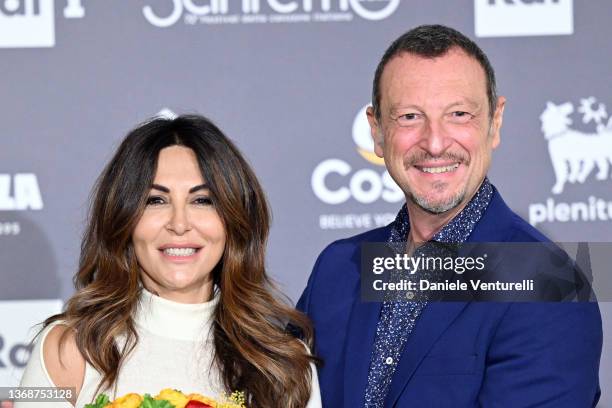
(438,169)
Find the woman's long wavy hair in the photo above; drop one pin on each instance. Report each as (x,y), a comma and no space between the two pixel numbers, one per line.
(253,350)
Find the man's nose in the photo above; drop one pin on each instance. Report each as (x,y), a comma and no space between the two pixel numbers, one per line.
(435,139)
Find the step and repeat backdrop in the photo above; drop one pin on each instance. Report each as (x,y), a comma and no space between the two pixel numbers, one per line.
(288,81)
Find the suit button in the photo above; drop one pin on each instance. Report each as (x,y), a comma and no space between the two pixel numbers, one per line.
(389,360)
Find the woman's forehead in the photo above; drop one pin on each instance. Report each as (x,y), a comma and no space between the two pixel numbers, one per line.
(178,164)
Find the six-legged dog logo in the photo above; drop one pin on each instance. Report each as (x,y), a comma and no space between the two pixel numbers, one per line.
(575,154)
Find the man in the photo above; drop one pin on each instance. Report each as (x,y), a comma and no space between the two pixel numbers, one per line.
(435,119)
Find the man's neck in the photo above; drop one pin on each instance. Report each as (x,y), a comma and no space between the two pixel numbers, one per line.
(424,225)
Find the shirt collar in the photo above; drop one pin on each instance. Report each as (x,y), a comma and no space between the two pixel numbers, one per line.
(456,230)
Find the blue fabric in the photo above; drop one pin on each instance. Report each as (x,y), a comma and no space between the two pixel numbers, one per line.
(460,354)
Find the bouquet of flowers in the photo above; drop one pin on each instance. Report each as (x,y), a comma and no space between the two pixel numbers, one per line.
(169,398)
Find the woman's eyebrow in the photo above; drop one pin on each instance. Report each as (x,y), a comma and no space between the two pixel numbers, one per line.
(191,190)
(198,187)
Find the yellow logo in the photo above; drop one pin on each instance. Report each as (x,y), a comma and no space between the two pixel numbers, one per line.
(363,138)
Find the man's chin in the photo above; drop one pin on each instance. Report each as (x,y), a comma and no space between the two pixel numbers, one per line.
(437,205)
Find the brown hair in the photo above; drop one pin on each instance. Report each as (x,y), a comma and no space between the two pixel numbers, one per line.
(253,349)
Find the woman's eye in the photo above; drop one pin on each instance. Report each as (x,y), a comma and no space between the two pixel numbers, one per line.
(155,200)
(203,201)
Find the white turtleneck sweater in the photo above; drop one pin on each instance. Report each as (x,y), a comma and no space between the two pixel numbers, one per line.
(174,350)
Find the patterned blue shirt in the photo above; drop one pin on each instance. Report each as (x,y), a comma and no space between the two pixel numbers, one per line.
(398,317)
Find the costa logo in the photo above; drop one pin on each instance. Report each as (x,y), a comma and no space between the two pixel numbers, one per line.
(334,181)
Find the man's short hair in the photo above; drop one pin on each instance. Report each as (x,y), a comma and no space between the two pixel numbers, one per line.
(432,41)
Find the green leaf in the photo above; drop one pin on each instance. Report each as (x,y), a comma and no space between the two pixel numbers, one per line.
(149,402)
(101,402)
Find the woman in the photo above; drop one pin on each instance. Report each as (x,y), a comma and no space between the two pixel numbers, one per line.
(171,288)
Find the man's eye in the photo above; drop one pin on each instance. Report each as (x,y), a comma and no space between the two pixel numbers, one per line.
(408,116)
(461,116)
(203,201)
(407,119)
(155,200)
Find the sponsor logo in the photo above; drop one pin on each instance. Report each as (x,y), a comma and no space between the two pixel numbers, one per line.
(363,139)
(335,182)
(18,192)
(268,11)
(17,331)
(31,23)
(577,157)
(24,194)
(10,228)
(509,18)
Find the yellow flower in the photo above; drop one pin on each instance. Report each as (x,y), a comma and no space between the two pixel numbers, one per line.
(127,401)
(201,398)
(175,397)
(235,400)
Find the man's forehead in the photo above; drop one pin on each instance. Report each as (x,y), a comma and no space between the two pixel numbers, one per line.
(454,62)
(453,72)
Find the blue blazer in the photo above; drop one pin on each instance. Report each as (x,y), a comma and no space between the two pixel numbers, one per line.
(460,354)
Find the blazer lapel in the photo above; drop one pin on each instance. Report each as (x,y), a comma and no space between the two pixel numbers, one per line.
(358,352)
(360,334)
(434,319)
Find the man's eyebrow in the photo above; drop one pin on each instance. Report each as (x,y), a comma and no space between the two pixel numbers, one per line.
(191,190)
(399,106)
(465,101)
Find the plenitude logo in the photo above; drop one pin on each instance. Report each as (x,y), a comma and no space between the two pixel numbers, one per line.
(268,11)
(577,157)
(510,18)
(31,23)
(335,182)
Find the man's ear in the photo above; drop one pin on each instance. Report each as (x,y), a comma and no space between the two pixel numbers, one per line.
(498,117)
(376,132)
